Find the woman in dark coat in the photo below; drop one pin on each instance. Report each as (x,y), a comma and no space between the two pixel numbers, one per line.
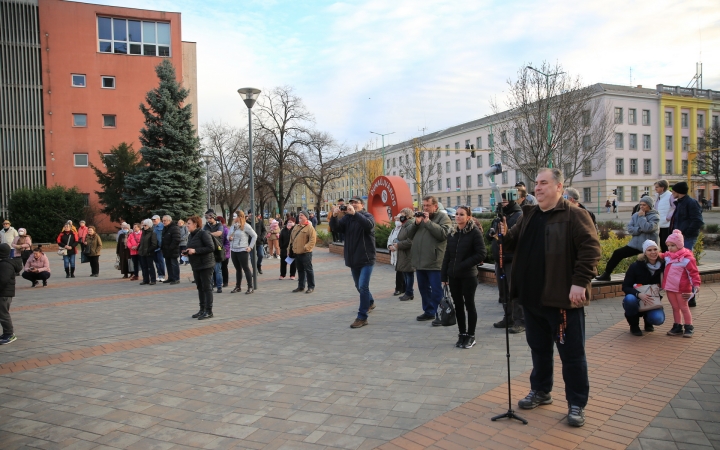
(465,250)
(648,269)
(123,251)
(200,253)
(146,252)
(284,242)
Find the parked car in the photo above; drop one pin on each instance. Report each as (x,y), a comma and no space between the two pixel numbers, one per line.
(451,213)
(479,210)
(323,213)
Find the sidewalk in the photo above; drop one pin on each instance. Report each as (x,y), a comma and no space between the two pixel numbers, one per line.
(106,363)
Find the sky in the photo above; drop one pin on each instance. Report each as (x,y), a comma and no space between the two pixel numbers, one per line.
(413,66)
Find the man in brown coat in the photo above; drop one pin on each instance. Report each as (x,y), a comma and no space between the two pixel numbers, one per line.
(556,254)
(302,242)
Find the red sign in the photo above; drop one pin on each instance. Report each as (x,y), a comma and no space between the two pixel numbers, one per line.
(387,196)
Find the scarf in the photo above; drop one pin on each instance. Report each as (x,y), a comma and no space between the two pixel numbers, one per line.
(654,267)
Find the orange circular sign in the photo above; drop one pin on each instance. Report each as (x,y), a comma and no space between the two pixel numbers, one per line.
(387,196)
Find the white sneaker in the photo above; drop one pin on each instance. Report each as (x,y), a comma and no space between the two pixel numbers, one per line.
(161,279)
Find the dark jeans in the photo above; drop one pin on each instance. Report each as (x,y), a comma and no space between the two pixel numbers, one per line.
(361,276)
(136,264)
(217,275)
(283,265)
(399,281)
(409,281)
(148,268)
(204,283)
(94,264)
(173,269)
(463,295)
(160,263)
(69,260)
(664,233)
(241,262)
(36,276)
(513,309)
(305,270)
(631,305)
(260,254)
(541,326)
(5,320)
(431,290)
(618,255)
(224,270)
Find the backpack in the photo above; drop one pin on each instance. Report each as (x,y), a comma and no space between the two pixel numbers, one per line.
(218,249)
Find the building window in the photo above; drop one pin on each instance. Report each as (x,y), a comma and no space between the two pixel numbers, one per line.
(566,170)
(468,181)
(457,146)
(646,117)
(467,143)
(668,118)
(632,116)
(619,141)
(468,201)
(633,166)
(587,168)
(587,195)
(133,37)
(504,178)
(633,194)
(447,166)
(78,80)
(79,120)
(701,121)
(618,115)
(646,142)
(479,160)
(108,82)
(503,157)
(431,185)
(388,163)
(621,194)
(684,167)
(586,118)
(439,168)
(394,162)
(407,159)
(439,184)
(457,165)
(480,200)
(619,166)
(503,138)
(480,180)
(108,121)
(467,163)
(646,167)
(457,183)
(684,141)
(478,143)
(632,142)
(447,183)
(684,120)
(81,159)
(669,166)
(668,143)
(716,121)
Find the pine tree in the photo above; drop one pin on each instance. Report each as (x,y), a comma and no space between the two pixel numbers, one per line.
(172,180)
(122,162)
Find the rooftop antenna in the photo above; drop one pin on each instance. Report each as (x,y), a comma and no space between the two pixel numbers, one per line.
(631,83)
(423,130)
(696,81)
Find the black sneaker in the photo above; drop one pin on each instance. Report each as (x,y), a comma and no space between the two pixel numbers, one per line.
(516,329)
(649,328)
(397,292)
(219,290)
(205,315)
(535,399)
(636,331)
(501,324)
(167,282)
(437,322)
(469,341)
(5,339)
(576,416)
(198,314)
(425,317)
(676,330)
(45,283)
(689,330)
(175,282)
(406,297)
(34,283)
(461,340)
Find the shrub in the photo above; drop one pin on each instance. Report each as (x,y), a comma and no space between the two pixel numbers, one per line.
(712,228)
(608,246)
(323,238)
(699,247)
(382,233)
(611,224)
(43,211)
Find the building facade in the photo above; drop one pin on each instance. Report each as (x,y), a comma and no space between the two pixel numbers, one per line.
(89,68)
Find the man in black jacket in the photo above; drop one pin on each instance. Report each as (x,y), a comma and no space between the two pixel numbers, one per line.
(170,246)
(687,216)
(358,226)
(9,268)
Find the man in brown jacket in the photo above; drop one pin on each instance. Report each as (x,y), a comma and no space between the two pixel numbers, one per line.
(556,254)
(302,242)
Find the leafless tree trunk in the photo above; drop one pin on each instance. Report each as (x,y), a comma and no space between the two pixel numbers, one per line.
(228,168)
(582,126)
(708,157)
(420,164)
(367,167)
(322,164)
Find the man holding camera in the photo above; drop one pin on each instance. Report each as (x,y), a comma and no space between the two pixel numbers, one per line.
(556,253)
(358,226)
(338,213)
(429,232)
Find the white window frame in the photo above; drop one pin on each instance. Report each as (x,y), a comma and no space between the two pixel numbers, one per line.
(647,166)
(114,116)
(621,141)
(632,141)
(77,115)
(647,142)
(633,166)
(72,80)
(632,116)
(87,159)
(127,41)
(646,117)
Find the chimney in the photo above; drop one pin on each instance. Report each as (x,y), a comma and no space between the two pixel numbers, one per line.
(639,86)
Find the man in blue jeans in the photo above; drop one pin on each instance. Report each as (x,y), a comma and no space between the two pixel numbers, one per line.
(359,229)
(215,228)
(429,232)
(158,228)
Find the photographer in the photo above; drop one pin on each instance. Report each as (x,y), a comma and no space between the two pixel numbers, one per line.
(338,213)
(513,308)
(358,227)
(429,233)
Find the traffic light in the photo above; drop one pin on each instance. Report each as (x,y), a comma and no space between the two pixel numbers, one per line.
(614,191)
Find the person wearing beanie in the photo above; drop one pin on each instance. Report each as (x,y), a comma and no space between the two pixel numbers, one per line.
(273,239)
(687,216)
(681,281)
(9,268)
(646,271)
(643,225)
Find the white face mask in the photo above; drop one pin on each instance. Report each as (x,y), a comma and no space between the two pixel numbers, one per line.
(398,223)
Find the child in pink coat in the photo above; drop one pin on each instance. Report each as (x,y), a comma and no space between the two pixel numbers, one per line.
(681,281)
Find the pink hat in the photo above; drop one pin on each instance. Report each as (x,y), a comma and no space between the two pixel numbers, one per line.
(676,238)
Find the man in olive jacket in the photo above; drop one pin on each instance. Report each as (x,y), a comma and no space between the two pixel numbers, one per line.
(556,254)
(429,235)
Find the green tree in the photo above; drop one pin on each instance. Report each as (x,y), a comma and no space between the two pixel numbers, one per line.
(171,181)
(121,162)
(43,211)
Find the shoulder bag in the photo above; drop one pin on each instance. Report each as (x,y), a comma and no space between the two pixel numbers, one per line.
(653,290)
(447,309)
(63,251)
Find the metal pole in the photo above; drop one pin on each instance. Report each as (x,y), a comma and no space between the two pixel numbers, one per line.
(549,129)
(207,182)
(598,197)
(252,202)
(383,154)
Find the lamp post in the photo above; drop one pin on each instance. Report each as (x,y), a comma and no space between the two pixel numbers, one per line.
(549,125)
(207,158)
(383,147)
(250,96)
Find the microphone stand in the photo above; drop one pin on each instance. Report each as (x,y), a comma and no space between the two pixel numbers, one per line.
(504,297)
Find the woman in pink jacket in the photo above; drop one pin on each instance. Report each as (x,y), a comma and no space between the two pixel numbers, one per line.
(681,281)
(133,242)
(37,267)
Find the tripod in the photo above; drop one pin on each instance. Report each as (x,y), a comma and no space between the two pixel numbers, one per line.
(504,297)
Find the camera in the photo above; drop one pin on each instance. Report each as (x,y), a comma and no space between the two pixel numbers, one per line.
(419,214)
(343,207)
(511,195)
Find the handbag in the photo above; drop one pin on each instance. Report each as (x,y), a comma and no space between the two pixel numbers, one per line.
(84,258)
(62,251)
(117,262)
(131,266)
(653,290)
(447,309)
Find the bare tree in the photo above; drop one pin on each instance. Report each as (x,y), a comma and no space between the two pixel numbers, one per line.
(367,165)
(420,164)
(707,159)
(283,124)
(581,125)
(322,164)
(228,149)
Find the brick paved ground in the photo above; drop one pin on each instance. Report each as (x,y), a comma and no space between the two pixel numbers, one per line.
(106,363)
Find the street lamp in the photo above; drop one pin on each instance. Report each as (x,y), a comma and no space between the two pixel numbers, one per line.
(549,126)
(383,148)
(250,96)
(207,158)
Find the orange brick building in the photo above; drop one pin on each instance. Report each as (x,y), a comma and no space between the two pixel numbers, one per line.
(89,67)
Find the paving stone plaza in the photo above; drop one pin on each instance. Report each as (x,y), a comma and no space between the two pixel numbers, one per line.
(104,363)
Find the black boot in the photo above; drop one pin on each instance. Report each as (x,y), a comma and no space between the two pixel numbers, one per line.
(67,272)
(604,277)
(72,272)
(199,313)
(634,322)
(208,314)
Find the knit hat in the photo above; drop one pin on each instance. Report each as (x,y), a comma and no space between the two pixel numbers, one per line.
(649,243)
(304,213)
(680,188)
(4,251)
(648,201)
(676,238)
